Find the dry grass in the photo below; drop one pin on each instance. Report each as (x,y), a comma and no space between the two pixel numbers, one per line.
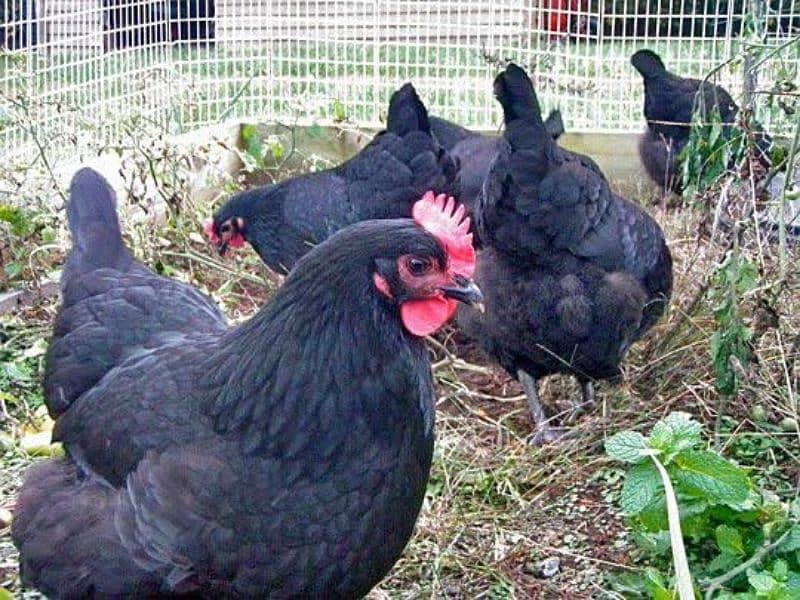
(497,506)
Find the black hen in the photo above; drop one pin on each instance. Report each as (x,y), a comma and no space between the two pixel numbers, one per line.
(285,220)
(475,152)
(573,274)
(286,457)
(669,104)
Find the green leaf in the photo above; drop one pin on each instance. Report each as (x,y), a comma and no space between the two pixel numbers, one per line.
(38,348)
(794,508)
(652,575)
(630,584)
(315,131)
(780,570)
(793,583)
(761,581)
(13,269)
(746,276)
(723,562)
(48,234)
(16,371)
(792,541)
(339,112)
(627,446)
(653,543)
(729,540)
(253,144)
(716,131)
(642,485)
(17,218)
(654,516)
(706,474)
(656,586)
(5,594)
(725,595)
(662,594)
(277,151)
(249,131)
(696,527)
(675,433)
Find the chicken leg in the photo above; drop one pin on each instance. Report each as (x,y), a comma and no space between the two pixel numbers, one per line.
(587,400)
(544,432)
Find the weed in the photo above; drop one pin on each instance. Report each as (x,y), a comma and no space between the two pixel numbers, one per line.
(742,541)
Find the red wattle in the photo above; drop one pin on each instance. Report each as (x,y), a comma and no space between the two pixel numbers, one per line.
(424,317)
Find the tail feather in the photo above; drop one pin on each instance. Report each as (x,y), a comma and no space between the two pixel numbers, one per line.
(92,214)
(407,112)
(648,63)
(525,129)
(514,90)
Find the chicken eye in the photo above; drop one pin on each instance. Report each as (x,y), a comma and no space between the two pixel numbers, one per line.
(225,227)
(418,267)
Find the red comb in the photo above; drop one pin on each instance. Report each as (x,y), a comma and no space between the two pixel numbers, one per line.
(444,218)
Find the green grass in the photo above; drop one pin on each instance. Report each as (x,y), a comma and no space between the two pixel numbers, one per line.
(182,87)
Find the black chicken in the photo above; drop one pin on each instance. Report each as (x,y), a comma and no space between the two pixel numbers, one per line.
(572,273)
(669,103)
(286,457)
(475,152)
(285,220)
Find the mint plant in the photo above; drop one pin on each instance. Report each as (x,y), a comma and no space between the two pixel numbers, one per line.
(741,543)
(735,278)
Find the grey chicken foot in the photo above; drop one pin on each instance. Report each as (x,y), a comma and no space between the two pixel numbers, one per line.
(587,400)
(544,432)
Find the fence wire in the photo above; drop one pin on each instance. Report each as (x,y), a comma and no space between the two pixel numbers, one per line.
(74,73)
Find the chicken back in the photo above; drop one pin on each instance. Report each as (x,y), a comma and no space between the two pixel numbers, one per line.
(474,152)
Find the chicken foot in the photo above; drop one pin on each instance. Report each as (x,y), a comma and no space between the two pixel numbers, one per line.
(587,400)
(544,432)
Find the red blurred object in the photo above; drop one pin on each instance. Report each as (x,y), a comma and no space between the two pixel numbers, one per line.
(564,16)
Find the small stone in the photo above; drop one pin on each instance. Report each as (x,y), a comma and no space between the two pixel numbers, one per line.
(758,413)
(5,517)
(548,568)
(788,424)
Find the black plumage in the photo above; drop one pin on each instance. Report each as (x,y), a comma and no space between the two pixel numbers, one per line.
(286,457)
(474,152)
(87,339)
(285,220)
(669,104)
(572,273)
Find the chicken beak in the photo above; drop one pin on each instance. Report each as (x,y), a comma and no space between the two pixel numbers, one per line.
(465,291)
(222,247)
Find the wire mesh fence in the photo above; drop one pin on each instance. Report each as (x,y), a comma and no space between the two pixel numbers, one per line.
(73,72)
